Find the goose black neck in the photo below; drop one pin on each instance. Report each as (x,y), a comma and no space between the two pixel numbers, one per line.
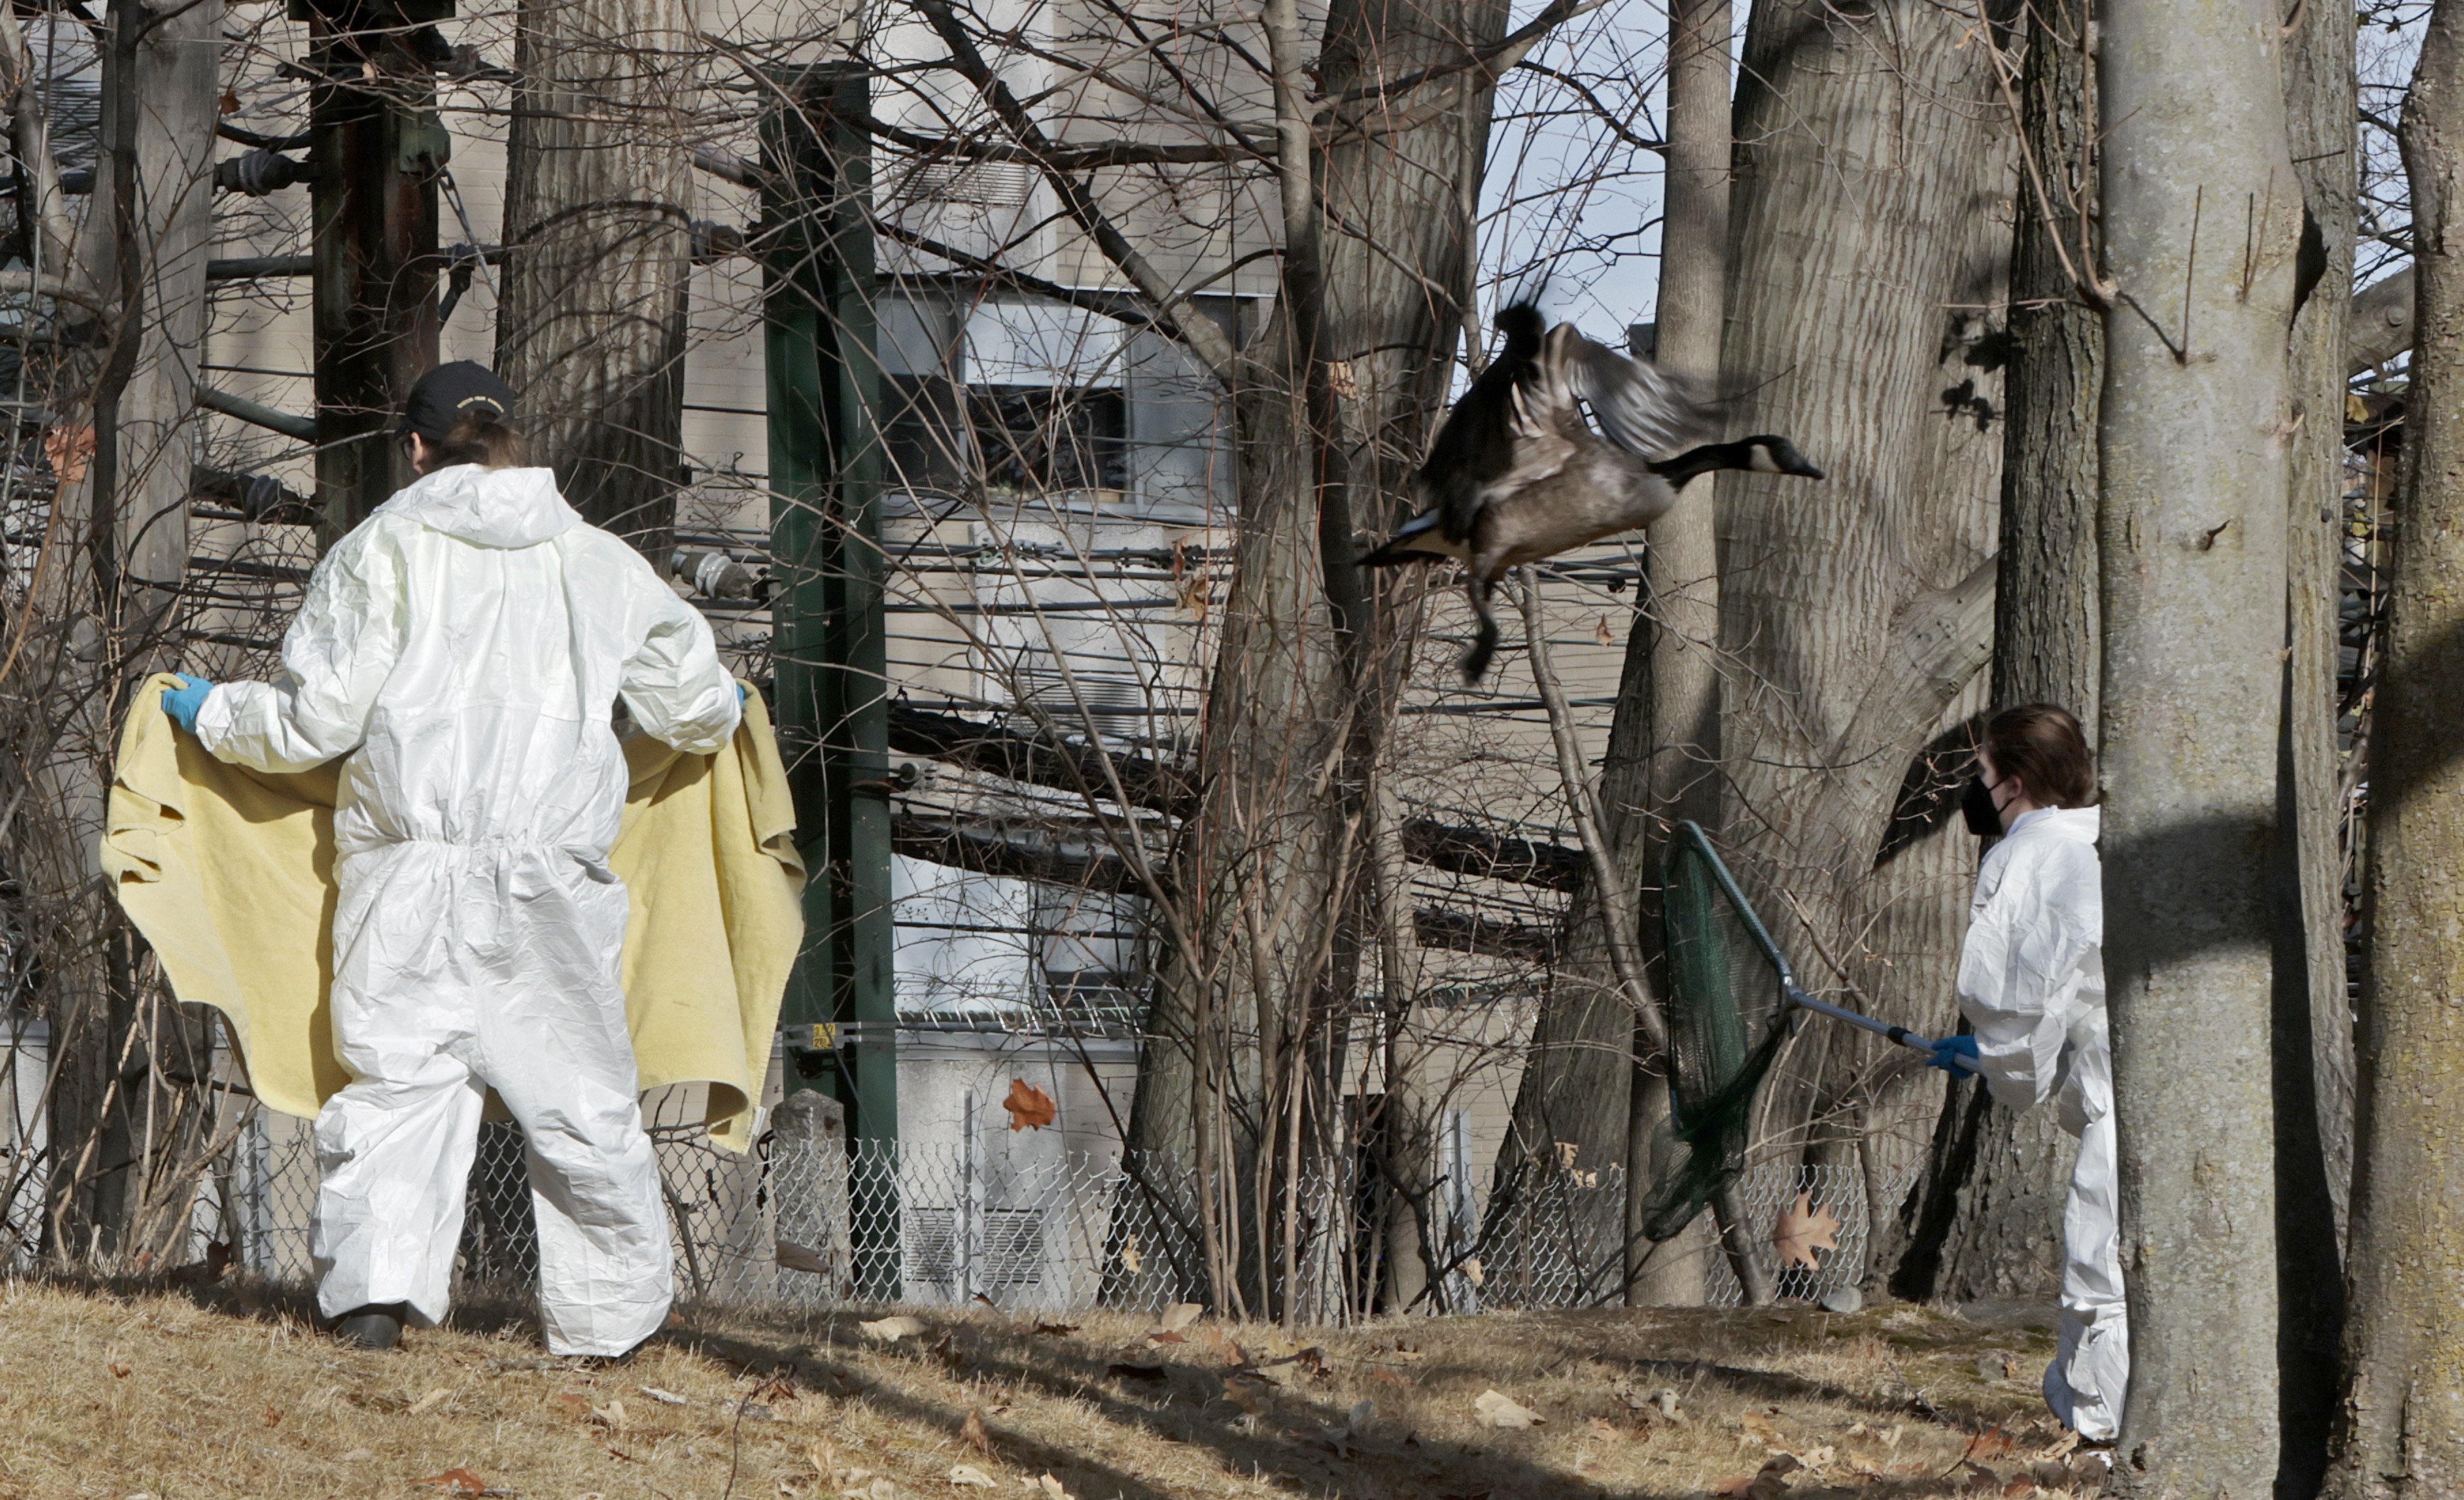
(1703,460)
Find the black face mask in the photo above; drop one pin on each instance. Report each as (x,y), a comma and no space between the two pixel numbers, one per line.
(1977,806)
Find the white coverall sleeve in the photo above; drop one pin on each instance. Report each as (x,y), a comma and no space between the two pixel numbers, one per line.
(2019,968)
(341,649)
(674,683)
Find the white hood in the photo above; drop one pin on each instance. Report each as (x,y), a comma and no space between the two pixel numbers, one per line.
(487,507)
(2079,825)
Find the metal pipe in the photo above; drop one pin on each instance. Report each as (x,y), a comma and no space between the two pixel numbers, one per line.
(301,428)
(1823,1007)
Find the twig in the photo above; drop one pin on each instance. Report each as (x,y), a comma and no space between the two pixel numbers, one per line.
(2190,272)
(1582,802)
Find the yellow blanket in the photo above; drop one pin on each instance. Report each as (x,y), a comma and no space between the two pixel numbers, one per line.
(229,874)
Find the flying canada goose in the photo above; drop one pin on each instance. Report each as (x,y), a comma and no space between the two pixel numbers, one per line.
(1517,474)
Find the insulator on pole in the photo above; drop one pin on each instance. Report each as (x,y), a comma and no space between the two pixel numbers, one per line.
(715,575)
(259,172)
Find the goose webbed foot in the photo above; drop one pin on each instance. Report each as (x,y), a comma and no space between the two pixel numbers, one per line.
(1484,646)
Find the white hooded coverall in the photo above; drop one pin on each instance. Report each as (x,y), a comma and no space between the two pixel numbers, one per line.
(465,648)
(2032,985)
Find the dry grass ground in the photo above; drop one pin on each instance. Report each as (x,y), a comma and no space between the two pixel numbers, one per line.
(170,1392)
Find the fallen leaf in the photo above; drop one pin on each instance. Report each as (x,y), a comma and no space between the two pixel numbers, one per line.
(1029,1107)
(1130,1260)
(574,1404)
(1989,1445)
(883,1489)
(1500,1410)
(663,1398)
(973,1430)
(969,1475)
(1603,1427)
(612,1414)
(792,1256)
(1771,1482)
(823,1456)
(1602,633)
(1056,1330)
(890,1330)
(1472,1272)
(1390,1377)
(1180,1314)
(272,1418)
(2060,1449)
(429,1403)
(1166,1337)
(228,103)
(1803,1229)
(356,1456)
(460,1481)
(118,1371)
(1053,1486)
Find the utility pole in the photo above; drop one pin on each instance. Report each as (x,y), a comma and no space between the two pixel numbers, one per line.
(378,149)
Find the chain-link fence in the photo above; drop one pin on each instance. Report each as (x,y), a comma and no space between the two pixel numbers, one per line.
(1561,1244)
(809,1220)
(803,1220)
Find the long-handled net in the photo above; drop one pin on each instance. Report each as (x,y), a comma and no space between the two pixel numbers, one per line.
(1729,1011)
(1733,1002)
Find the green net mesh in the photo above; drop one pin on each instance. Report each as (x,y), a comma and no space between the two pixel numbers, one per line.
(1727,1014)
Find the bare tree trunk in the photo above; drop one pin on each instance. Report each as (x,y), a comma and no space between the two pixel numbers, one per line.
(2401,1430)
(1989,1221)
(1856,612)
(2314,1029)
(129,1107)
(1682,568)
(1247,1028)
(2202,219)
(591,328)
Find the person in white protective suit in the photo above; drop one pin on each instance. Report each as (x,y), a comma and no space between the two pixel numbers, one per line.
(2032,986)
(462,651)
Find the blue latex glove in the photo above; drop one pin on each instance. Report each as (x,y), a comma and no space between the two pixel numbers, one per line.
(184,701)
(1955,1055)
(741,697)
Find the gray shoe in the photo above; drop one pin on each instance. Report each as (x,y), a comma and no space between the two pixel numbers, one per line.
(372,1327)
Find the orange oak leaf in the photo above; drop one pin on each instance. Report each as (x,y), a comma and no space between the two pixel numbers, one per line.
(1803,1229)
(1029,1107)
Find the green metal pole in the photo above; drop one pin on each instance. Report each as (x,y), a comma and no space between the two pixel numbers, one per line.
(828,643)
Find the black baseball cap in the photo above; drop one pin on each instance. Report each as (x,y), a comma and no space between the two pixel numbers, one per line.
(449,393)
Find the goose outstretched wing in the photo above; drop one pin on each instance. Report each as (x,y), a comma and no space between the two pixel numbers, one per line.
(1640,407)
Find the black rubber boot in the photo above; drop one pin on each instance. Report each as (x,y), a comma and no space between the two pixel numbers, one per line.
(372,1327)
